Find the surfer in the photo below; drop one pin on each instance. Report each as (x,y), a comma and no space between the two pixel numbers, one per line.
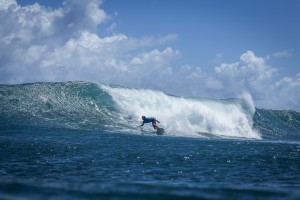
(150,119)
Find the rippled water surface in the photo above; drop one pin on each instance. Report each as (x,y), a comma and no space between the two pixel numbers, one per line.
(42,163)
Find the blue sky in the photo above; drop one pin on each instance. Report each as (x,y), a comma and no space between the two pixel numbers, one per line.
(206,48)
(210,27)
(206,28)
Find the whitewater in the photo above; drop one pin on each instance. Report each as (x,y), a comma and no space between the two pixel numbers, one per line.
(184,116)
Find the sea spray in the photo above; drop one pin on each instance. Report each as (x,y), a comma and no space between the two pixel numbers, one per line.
(187,116)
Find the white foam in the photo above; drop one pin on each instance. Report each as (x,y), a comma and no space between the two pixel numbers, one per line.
(184,116)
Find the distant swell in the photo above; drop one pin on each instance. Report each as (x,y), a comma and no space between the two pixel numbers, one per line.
(101,107)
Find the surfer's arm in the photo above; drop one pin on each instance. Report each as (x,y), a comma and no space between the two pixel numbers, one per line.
(143,124)
(156,120)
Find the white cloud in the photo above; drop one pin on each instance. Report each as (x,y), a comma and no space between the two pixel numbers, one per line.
(83,15)
(43,44)
(253,74)
(218,58)
(5,4)
(190,81)
(92,58)
(250,73)
(111,28)
(282,54)
(154,58)
(285,93)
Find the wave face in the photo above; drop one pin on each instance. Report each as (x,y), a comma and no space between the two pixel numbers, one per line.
(100,107)
(278,124)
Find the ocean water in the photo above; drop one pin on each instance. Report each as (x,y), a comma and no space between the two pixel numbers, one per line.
(79,140)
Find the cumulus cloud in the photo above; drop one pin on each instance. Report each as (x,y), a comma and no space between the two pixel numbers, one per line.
(250,72)
(62,44)
(285,93)
(253,74)
(44,44)
(5,4)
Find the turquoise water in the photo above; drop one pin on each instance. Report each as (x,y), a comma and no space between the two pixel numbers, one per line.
(79,140)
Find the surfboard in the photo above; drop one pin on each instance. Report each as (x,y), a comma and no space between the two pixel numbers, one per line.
(160,131)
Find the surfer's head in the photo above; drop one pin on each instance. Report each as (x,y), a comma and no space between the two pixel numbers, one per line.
(143,117)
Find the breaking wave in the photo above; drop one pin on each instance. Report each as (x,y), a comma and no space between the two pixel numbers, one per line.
(109,108)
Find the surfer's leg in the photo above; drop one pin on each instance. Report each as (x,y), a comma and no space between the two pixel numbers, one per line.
(154,125)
